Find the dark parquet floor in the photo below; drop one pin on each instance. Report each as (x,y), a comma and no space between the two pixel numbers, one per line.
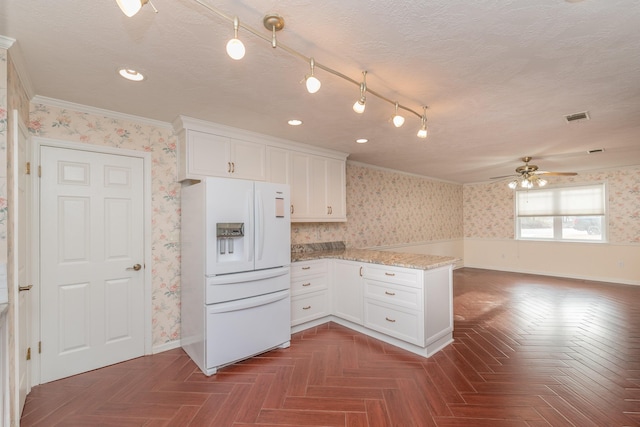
(529,351)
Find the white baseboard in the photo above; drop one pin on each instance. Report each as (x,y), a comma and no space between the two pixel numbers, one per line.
(171,345)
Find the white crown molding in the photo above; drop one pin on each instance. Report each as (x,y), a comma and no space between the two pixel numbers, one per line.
(6,42)
(23,74)
(380,168)
(99,111)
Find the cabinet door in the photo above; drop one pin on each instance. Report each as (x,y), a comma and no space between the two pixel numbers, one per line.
(318,207)
(278,165)
(299,186)
(248,160)
(207,155)
(347,290)
(336,189)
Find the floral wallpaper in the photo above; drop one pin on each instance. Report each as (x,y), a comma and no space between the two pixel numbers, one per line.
(66,125)
(387,208)
(489,208)
(3,154)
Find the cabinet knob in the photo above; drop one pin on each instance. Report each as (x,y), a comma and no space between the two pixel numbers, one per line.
(306,308)
(390,274)
(306,284)
(292,209)
(390,320)
(360,271)
(389,293)
(233,167)
(228,167)
(306,268)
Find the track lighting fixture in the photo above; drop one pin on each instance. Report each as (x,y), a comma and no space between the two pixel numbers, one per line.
(235,48)
(313,84)
(131,7)
(359,105)
(274,23)
(422,133)
(398,120)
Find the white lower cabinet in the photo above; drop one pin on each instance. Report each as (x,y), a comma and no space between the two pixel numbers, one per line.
(413,307)
(309,291)
(347,290)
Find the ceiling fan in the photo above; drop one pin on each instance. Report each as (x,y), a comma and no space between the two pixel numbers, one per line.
(528,176)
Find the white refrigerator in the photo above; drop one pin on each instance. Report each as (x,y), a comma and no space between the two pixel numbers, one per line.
(235,251)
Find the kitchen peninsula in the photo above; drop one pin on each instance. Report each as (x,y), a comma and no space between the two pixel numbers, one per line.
(403,299)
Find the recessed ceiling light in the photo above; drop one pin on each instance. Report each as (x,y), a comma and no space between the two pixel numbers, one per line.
(362,140)
(131,74)
(295,122)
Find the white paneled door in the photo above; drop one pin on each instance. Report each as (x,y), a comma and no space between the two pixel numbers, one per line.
(92,260)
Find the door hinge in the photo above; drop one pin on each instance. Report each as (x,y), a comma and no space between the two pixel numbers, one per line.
(27,169)
(39,171)
(39,347)
(29,353)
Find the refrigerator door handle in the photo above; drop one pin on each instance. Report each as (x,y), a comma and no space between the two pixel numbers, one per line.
(249,235)
(259,226)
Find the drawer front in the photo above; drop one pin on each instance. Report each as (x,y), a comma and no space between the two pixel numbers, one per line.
(306,268)
(304,285)
(402,296)
(401,324)
(309,307)
(398,275)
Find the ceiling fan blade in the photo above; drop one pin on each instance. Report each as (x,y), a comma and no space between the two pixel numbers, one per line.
(555,173)
(503,176)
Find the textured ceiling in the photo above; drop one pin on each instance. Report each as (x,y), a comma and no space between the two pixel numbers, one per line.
(498,76)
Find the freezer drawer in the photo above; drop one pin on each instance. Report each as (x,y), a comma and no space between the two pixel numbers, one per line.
(240,329)
(230,287)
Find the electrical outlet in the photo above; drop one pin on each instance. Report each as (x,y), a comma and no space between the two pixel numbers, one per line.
(620,263)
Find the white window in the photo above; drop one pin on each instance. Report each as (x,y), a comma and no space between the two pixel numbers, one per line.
(576,213)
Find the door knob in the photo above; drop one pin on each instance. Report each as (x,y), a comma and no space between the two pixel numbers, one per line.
(135,267)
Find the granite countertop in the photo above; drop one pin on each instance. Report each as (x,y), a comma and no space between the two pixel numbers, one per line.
(398,259)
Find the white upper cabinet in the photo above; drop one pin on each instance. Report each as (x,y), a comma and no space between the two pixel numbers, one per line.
(318,188)
(316,176)
(207,154)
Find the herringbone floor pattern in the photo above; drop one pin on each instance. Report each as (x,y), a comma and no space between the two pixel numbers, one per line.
(528,351)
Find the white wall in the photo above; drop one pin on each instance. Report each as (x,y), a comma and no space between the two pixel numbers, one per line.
(617,263)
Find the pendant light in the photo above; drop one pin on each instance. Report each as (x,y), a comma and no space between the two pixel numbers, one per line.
(313,84)
(235,48)
(359,105)
(398,120)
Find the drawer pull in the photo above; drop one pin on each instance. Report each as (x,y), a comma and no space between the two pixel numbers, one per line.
(306,268)
(389,293)
(306,284)
(390,274)
(308,307)
(390,320)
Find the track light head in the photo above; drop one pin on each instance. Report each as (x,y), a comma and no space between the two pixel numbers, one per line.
(313,84)
(422,133)
(397,119)
(359,105)
(131,7)
(235,48)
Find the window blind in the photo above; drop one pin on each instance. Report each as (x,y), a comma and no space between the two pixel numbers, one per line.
(565,201)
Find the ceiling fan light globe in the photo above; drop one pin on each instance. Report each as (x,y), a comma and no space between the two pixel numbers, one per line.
(513,184)
(313,84)
(542,182)
(235,49)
